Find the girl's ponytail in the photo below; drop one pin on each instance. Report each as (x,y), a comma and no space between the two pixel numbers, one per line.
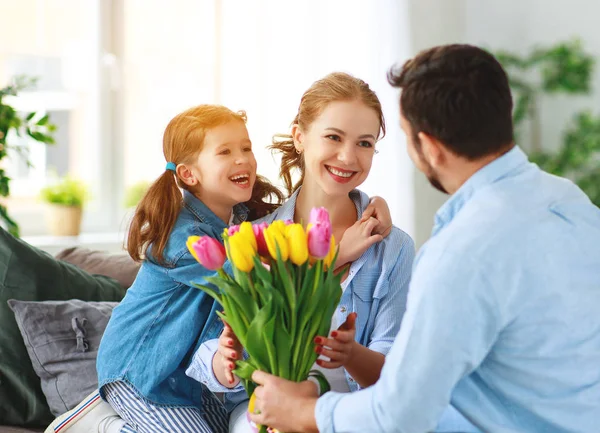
(155,218)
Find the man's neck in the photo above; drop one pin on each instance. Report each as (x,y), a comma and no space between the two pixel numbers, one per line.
(464,169)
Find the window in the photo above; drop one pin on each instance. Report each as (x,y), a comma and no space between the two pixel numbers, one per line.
(113,73)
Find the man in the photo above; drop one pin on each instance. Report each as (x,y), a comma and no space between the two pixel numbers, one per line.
(503,315)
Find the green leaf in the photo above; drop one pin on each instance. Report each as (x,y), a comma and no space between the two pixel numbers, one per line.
(244,370)
(213,293)
(259,345)
(43,121)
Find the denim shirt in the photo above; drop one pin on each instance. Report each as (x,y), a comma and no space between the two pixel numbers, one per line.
(157,327)
(376,289)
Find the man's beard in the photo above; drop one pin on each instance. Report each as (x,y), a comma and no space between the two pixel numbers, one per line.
(432,175)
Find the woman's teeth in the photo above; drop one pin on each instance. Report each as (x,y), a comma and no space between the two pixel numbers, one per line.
(339,172)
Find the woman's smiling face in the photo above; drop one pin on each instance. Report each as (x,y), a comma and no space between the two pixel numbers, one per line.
(338,146)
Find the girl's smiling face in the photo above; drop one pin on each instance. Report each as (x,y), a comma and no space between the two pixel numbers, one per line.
(225,168)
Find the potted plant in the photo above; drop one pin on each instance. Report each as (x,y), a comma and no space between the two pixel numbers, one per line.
(565,68)
(36,127)
(65,200)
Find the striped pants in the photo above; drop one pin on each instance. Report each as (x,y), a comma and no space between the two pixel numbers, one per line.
(144,417)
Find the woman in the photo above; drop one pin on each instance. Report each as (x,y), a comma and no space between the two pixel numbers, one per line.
(332,145)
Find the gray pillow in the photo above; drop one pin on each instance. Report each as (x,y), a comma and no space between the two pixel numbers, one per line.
(62,339)
(121,267)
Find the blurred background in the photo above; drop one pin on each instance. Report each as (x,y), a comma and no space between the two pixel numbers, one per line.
(110,74)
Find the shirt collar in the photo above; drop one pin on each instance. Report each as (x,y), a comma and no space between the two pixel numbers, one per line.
(205,215)
(488,174)
(287,210)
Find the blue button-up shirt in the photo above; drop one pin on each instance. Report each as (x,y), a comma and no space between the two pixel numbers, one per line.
(503,315)
(154,331)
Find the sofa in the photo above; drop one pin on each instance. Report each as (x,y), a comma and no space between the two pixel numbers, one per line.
(53,311)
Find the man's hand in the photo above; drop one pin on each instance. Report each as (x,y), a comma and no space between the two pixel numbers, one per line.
(339,347)
(284,405)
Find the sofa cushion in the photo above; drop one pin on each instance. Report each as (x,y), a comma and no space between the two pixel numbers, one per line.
(29,274)
(62,339)
(121,267)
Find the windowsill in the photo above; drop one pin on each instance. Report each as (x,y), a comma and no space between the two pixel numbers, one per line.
(109,242)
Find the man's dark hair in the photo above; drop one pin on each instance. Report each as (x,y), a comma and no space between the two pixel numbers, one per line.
(459,94)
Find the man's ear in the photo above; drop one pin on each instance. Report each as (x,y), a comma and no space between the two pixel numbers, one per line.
(432,149)
(298,137)
(185,174)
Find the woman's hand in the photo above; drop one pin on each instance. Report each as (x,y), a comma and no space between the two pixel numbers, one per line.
(339,347)
(229,351)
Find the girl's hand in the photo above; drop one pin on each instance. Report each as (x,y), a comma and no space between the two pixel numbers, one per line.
(339,347)
(356,240)
(378,209)
(229,351)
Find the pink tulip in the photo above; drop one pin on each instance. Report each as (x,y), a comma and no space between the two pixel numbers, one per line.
(319,239)
(263,251)
(210,252)
(233,230)
(288,222)
(319,215)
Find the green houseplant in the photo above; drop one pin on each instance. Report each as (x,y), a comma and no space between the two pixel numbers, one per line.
(21,124)
(65,200)
(564,68)
(135,193)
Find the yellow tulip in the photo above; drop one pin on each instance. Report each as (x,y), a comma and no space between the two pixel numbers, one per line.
(191,241)
(248,233)
(331,254)
(297,241)
(275,237)
(241,252)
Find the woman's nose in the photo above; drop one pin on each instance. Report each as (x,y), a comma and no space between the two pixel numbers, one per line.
(347,154)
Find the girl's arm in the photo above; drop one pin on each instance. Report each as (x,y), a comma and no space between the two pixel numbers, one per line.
(374,225)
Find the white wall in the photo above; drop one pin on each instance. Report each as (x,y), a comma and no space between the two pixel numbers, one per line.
(514,25)
(273,53)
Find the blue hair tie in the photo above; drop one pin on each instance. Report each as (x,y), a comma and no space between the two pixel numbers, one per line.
(171,166)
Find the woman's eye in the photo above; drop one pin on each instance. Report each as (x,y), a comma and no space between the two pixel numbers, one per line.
(224,152)
(365,144)
(333,137)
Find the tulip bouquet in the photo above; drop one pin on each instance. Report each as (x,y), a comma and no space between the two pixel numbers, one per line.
(282,291)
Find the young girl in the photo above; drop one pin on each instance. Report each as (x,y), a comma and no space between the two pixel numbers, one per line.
(158,326)
(332,144)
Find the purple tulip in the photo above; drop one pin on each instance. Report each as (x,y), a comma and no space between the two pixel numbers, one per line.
(319,239)
(261,243)
(319,215)
(233,230)
(210,252)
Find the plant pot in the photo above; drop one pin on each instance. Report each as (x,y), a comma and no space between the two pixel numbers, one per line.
(64,220)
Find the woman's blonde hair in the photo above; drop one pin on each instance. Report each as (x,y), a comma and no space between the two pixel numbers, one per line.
(337,86)
(157,212)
